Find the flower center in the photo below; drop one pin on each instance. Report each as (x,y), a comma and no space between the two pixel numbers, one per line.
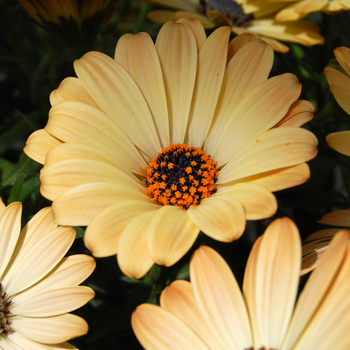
(4,312)
(229,9)
(181,175)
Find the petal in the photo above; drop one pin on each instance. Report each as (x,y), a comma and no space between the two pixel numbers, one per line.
(187,5)
(90,199)
(299,9)
(171,235)
(276,148)
(10,227)
(210,73)
(161,16)
(219,299)
(219,217)
(259,110)
(179,299)
(316,289)
(249,67)
(271,282)
(156,328)
(38,144)
(337,218)
(133,256)
(197,29)
(206,22)
(340,141)
(50,330)
(146,71)
(258,202)
(119,97)
(300,112)
(28,268)
(106,228)
(78,123)
(339,84)
(342,55)
(237,43)
(177,50)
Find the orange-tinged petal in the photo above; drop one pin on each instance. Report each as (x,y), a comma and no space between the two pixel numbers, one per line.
(156,328)
(119,97)
(237,43)
(103,234)
(171,235)
(337,218)
(210,73)
(38,144)
(146,72)
(271,282)
(206,22)
(133,257)
(179,299)
(177,50)
(161,16)
(219,299)
(220,217)
(340,141)
(342,55)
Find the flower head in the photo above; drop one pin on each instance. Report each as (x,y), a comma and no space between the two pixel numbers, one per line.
(243,16)
(148,149)
(38,286)
(339,84)
(210,312)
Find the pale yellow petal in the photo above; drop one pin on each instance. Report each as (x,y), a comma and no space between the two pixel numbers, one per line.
(275,44)
(316,289)
(133,257)
(237,43)
(171,235)
(210,73)
(219,217)
(138,56)
(73,208)
(219,299)
(119,97)
(276,148)
(10,227)
(179,299)
(300,9)
(258,202)
(249,67)
(38,144)
(197,29)
(271,282)
(340,141)
(103,234)
(177,50)
(156,328)
(50,330)
(300,112)
(206,22)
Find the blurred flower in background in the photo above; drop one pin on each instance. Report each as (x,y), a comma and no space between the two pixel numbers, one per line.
(38,286)
(73,22)
(210,312)
(252,16)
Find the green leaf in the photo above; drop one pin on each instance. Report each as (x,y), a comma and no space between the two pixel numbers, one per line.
(16,189)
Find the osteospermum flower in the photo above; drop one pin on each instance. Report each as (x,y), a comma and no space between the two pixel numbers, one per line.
(301,8)
(210,312)
(244,16)
(339,84)
(38,286)
(148,149)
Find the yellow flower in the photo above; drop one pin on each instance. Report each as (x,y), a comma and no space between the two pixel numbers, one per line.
(38,286)
(244,16)
(339,84)
(210,312)
(168,139)
(301,8)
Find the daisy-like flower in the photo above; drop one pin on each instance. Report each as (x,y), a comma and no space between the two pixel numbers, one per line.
(315,245)
(210,312)
(339,84)
(38,286)
(244,16)
(165,140)
(301,8)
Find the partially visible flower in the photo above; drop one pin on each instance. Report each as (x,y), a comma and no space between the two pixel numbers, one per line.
(316,244)
(38,286)
(149,149)
(244,16)
(210,312)
(301,8)
(339,84)
(72,21)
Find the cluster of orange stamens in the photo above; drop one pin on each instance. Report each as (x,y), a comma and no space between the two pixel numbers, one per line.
(181,175)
